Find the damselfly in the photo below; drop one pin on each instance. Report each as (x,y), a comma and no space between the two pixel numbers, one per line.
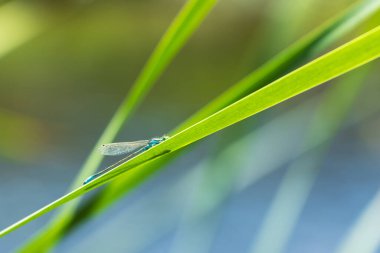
(130,149)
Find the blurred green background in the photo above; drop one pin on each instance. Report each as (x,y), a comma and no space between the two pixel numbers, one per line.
(65,66)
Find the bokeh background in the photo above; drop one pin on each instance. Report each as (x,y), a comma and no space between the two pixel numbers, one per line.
(65,66)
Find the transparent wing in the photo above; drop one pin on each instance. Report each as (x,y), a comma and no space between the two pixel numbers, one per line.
(90,178)
(122,148)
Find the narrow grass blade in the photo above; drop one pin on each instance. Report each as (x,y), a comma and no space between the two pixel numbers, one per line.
(230,165)
(306,47)
(351,55)
(180,30)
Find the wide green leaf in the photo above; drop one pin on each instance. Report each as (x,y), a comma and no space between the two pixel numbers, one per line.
(333,64)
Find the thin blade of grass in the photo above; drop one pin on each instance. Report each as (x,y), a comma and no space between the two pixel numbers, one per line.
(233,166)
(306,47)
(187,21)
(351,55)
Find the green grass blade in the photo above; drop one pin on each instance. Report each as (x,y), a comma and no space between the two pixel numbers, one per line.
(306,47)
(228,165)
(190,17)
(331,65)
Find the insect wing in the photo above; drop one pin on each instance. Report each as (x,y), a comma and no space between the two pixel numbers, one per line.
(122,148)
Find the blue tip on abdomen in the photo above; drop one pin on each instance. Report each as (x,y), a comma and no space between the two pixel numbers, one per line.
(89,179)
